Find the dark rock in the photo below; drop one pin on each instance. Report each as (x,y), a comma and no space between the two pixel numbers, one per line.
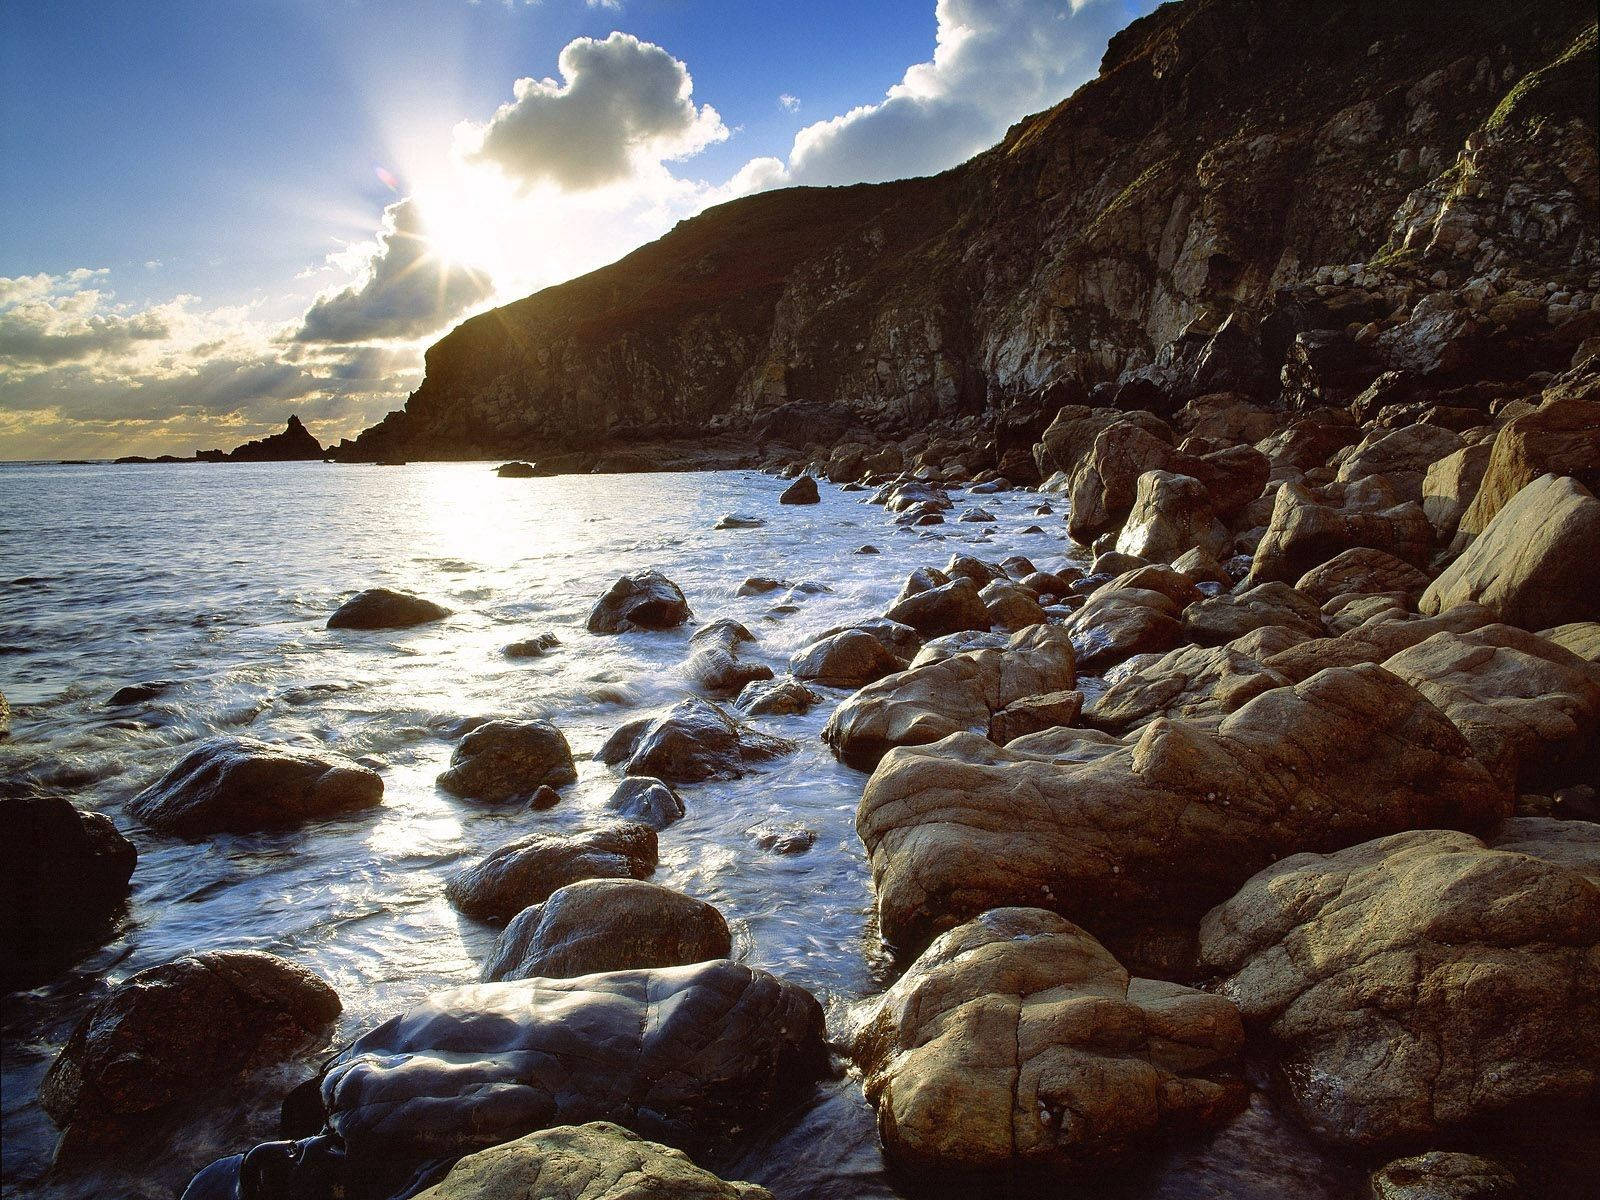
(1443,1175)
(774,698)
(511,877)
(739,521)
(516,470)
(715,666)
(138,693)
(782,838)
(502,761)
(618,747)
(380,608)
(849,658)
(646,601)
(294,444)
(867,550)
(544,797)
(533,647)
(948,608)
(649,802)
(696,740)
(801,491)
(608,925)
(66,877)
(238,785)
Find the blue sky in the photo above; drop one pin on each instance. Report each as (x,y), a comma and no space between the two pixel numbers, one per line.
(199,239)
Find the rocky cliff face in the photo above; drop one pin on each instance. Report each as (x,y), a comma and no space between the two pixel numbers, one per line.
(1299,203)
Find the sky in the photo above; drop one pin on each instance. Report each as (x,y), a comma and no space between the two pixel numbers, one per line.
(219,212)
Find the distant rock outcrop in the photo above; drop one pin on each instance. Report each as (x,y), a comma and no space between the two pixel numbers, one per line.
(294,444)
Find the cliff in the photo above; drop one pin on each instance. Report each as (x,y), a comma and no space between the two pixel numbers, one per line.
(1313,171)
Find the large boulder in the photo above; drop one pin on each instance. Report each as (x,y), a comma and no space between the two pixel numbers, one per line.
(502,761)
(1017,1040)
(239,785)
(688,1056)
(1416,985)
(849,658)
(947,608)
(381,608)
(1536,563)
(1171,515)
(1119,622)
(1402,455)
(63,878)
(646,601)
(608,925)
(1529,709)
(695,740)
(938,696)
(1560,437)
(171,1033)
(1363,570)
(1451,484)
(1147,835)
(802,491)
(1304,533)
(1221,619)
(597,1161)
(526,871)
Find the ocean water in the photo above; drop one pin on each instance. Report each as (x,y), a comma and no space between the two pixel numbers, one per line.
(220,579)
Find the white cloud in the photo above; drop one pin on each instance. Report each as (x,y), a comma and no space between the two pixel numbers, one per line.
(789,103)
(51,319)
(622,105)
(408,290)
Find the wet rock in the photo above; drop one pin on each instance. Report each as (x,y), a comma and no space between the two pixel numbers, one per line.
(802,491)
(1119,622)
(1362,569)
(1444,1175)
(525,871)
(502,761)
(534,647)
(1418,984)
(646,601)
(645,800)
(782,838)
(868,550)
(171,1033)
(619,746)
(1031,714)
(1171,515)
(544,797)
(776,698)
(138,693)
(381,608)
(760,585)
(1221,619)
(1560,437)
(597,1161)
(65,876)
(238,785)
(1529,709)
(715,666)
(1304,534)
(938,696)
(739,521)
(607,925)
(1018,1040)
(977,516)
(696,740)
(515,470)
(946,608)
(688,1056)
(1536,564)
(1148,835)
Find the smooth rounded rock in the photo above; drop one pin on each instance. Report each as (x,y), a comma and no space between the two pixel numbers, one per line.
(526,871)
(503,761)
(383,608)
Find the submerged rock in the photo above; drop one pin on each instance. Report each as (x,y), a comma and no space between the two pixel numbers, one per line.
(782,838)
(138,693)
(715,666)
(689,1056)
(608,925)
(526,871)
(65,877)
(696,740)
(238,785)
(171,1033)
(648,601)
(739,521)
(597,1161)
(1018,1040)
(1417,985)
(381,608)
(534,647)
(502,761)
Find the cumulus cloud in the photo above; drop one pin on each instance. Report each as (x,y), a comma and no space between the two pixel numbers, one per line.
(994,61)
(408,290)
(621,104)
(50,319)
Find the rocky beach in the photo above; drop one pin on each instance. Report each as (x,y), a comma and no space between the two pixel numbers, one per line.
(1076,676)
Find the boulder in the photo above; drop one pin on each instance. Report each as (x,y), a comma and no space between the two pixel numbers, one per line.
(607,925)
(504,761)
(1451,484)
(782,837)
(938,696)
(1144,837)
(738,521)
(776,698)
(1420,984)
(1444,1175)
(1536,563)
(381,608)
(1031,714)
(646,601)
(945,608)
(1119,622)
(1529,709)
(695,740)
(1304,534)
(1403,456)
(172,1033)
(239,785)
(1560,437)
(515,470)
(1171,515)
(1580,637)
(139,693)
(1373,642)
(1010,605)
(65,878)
(525,871)
(646,801)
(715,666)
(1221,619)
(1017,1040)
(534,647)
(1362,569)
(597,1161)
(802,491)
(688,1056)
